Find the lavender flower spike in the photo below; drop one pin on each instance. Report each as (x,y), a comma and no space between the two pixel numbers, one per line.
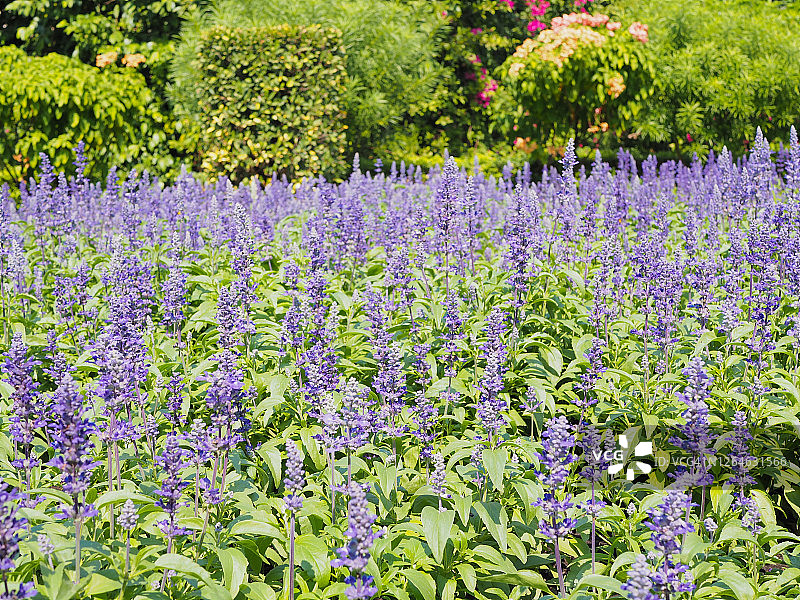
(11,531)
(355,555)
(295,477)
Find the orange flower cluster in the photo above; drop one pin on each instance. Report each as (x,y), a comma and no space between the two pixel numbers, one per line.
(525,144)
(105,59)
(616,85)
(584,19)
(595,128)
(638,31)
(556,45)
(566,34)
(133,60)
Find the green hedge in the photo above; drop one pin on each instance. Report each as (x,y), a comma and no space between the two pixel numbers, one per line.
(270,100)
(49,104)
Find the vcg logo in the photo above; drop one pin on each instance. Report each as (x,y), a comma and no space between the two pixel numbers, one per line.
(616,458)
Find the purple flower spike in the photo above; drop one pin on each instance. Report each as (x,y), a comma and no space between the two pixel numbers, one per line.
(355,555)
(295,477)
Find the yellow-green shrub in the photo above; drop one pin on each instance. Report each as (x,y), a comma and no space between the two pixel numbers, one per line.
(49,104)
(269,100)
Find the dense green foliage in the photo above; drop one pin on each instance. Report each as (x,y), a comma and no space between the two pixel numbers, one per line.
(723,69)
(49,104)
(83,27)
(389,49)
(270,101)
(424,77)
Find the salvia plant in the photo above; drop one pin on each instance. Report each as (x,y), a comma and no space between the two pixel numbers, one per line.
(580,382)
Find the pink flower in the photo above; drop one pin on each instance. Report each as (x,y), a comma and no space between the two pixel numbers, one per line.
(638,31)
(485,95)
(510,3)
(538,7)
(475,30)
(689,138)
(536,25)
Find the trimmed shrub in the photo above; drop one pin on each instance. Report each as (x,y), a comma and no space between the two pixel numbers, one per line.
(270,100)
(390,56)
(49,104)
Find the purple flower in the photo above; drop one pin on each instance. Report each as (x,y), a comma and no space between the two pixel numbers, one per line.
(710,525)
(668,522)
(174,291)
(596,452)
(741,459)
(751,516)
(640,580)
(425,415)
(70,434)
(227,400)
(558,440)
(295,477)
(592,375)
(695,435)
(26,404)
(172,461)
(355,555)
(438,476)
(490,405)
(175,399)
(128,515)
(12,528)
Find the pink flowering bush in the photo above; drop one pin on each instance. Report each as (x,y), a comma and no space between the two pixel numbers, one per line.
(584,76)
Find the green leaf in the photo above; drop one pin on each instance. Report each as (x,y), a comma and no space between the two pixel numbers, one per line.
(526,578)
(436,526)
(311,554)
(495,518)
(100,584)
(253,527)
(765,507)
(738,584)
(258,590)
(57,585)
(115,496)
(181,564)
(234,569)
(423,586)
(495,463)
(449,590)
(650,424)
(600,582)
(552,357)
(468,576)
(731,531)
(463,504)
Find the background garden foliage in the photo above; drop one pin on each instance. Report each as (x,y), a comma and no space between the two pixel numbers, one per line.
(47,103)
(424,77)
(270,99)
